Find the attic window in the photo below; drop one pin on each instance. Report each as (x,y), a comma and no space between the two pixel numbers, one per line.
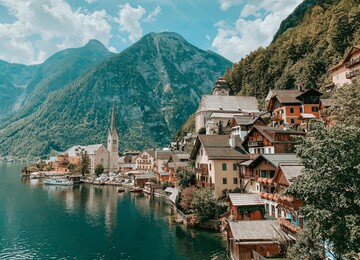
(220,108)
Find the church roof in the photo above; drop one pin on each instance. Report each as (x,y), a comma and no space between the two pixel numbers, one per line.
(113,121)
(234,104)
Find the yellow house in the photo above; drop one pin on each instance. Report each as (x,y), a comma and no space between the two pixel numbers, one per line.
(216,158)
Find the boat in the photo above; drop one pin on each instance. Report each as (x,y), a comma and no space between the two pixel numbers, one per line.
(136,189)
(58,181)
(120,189)
(35,175)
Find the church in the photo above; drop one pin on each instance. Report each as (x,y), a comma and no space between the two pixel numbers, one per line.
(99,154)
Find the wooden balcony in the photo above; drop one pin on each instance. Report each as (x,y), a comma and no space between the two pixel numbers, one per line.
(277,117)
(202,171)
(288,227)
(352,62)
(255,143)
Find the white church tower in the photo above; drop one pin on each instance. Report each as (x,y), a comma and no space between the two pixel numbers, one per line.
(113,144)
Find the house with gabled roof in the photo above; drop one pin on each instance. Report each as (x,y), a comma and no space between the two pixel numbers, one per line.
(264,139)
(245,206)
(216,158)
(241,124)
(347,69)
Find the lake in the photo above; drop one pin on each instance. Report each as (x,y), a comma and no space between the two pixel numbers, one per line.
(90,222)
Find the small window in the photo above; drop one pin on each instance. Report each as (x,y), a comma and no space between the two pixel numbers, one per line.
(210,166)
(301,110)
(224,180)
(224,166)
(314,109)
(234,167)
(235,180)
(292,120)
(291,110)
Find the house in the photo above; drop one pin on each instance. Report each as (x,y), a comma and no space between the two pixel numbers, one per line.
(127,163)
(219,123)
(244,206)
(347,69)
(141,179)
(145,160)
(177,160)
(216,158)
(161,157)
(221,102)
(264,237)
(264,139)
(293,107)
(325,106)
(241,124)
(61,163)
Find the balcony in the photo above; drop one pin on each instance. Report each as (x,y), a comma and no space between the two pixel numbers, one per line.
(277,117)
(352,62)
(255,143)
(287,226)
(204,184)
(202,171)
(352,74)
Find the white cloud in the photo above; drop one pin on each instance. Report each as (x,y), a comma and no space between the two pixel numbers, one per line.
(151,17)
(53,25)
(113,49)
(236,40)
(208,37)
(90,1)
(226,4)
(129,20)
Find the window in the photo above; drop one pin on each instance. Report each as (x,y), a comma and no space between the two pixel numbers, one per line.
(301,110)
(292,120)
(210,166)
(291,110)
(224,180)
(224,166)
(281,122)
(263,174)
(235,180)
(234,167)
(257,187)
(314,109)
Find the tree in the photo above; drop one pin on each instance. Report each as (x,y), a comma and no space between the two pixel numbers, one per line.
(70,167)
(99,169)
(206,206)
(185,176)
(330,187)
(347,104)
(186,199)
(84,163)
(167,184)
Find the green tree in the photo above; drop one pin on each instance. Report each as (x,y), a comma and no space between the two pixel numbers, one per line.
(70,167)
(330,187)
(84,163)
(99,169)
(167,184)
(347,104)
(185,176)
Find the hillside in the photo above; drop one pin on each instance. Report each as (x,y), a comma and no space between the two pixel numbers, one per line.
(308,42)
(156,85)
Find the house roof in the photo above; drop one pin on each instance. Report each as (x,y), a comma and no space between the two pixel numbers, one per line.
(347,57)
(286,95)
(218,147)
(291,170)
(163,173)
(307,116)
(244,199)
(245,120)
(276,158)
(257,230)
(91,149)
(163,155)
(313,91)
(223,115)
(174,193)
(228,104)
(270,132)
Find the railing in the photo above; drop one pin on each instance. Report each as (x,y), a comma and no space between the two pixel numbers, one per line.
(255,143)
(352,62)
(288,226)
(202,171)
(276,117)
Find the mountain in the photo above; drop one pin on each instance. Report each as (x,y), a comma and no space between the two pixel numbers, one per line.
(155,84)
(14,78)
(314,37)
(59,70)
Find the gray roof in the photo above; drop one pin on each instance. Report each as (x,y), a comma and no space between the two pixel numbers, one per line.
(257,231)
(277,158)
(228,104)
(291,170)
(218,147)
(174,193)
(287,95)
(245,120)
(224,115)
(244,199)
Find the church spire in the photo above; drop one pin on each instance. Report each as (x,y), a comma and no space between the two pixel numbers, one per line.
(113,121)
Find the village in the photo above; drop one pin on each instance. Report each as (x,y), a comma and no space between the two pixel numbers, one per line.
(244,155)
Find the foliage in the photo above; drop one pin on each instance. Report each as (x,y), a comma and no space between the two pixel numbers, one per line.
(347,104)
(187,198)
(314,37)
(47,168)
(40,165)
(185,176)
(187,127)
(202,131)
(167,184)
(330,186)
(99,169)
(206,206)
(153,180)
(84,163)
(71,167)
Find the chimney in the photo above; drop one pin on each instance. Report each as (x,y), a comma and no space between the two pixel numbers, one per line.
(232,141)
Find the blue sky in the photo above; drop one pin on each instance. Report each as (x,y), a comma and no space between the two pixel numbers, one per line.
(32,30)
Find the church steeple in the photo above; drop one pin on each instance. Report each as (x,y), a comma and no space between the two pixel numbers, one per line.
(113,143)
(113,121)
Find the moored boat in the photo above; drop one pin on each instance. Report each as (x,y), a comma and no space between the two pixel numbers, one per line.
(35,175)
(120,189)
(58,181)
(136,189)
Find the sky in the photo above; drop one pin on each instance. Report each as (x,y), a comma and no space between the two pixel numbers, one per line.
(33,30)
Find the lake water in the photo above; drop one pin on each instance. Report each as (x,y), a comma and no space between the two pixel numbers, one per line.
(88,222)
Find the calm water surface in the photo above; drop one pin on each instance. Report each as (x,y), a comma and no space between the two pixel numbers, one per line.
(87,222)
